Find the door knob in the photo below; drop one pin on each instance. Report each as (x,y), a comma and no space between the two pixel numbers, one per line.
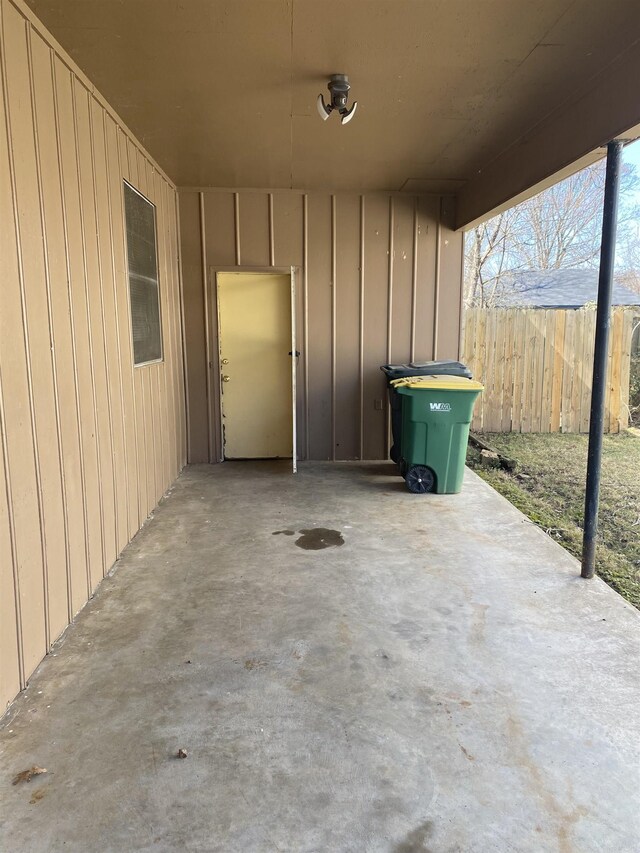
(226,378)
(225,361)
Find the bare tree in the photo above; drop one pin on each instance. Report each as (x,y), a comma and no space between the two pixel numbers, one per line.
(487,257)
(556,229)
(560,228)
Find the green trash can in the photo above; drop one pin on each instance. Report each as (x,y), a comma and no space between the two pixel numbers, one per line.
(436,415)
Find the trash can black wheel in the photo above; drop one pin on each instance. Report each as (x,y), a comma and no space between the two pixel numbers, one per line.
(394,453)
(420,479)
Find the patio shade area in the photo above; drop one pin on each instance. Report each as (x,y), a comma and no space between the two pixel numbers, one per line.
(437,678)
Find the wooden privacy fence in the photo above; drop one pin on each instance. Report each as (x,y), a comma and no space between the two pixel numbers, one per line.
(536,366)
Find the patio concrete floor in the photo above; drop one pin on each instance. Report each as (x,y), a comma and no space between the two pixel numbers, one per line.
(443,681)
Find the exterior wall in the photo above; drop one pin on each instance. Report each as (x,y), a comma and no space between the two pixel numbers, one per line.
(89,444)
(378,279)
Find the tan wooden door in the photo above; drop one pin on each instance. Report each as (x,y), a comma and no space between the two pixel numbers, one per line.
(255,339)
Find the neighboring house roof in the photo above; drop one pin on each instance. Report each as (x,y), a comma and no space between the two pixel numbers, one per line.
(559,289)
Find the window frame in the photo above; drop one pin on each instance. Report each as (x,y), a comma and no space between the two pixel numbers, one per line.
(160,360)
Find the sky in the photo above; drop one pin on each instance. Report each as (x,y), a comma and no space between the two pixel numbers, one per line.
(631,154)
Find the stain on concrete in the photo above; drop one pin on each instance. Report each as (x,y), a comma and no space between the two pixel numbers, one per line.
(467,754)
(479,624)
(344,634)
(254,663)
(284,533)
(416,840)
(395,695)
(317,538)
(355,666)
(412,633)
(563,819)
(384,658)
(323,800)
(406,628)
(37,796)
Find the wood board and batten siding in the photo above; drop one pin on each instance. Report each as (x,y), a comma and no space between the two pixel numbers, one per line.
(378,279)
(89,444)
(537,365)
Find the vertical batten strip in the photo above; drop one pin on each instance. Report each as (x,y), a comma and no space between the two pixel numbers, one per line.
(390,252)
(142,372)
(4,441)
(138,372)
(52,349)
(206,303)
(125,452)
(389,311)
(160,370)
(172,380)
(150,370)
(17,598)
(414,278)
(17,603)
(74,354)
(272,245)
(100,250)
(361,326)
(185,446)
(166,377)
(90,334)
(23,308)
(236,225)
(436,283)
(305,301)
(334,287)
(130,335)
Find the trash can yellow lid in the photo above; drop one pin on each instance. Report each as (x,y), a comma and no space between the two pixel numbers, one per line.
(439,383)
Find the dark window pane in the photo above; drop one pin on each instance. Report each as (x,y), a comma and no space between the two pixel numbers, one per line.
(140,216)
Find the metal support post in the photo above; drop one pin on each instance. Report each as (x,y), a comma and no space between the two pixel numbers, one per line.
(598,388)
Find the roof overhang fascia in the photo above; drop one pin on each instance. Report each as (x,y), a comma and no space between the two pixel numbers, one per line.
(564,142)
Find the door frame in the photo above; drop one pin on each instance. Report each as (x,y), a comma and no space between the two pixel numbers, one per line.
(212,339)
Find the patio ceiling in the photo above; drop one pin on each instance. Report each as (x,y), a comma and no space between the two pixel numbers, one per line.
(483,99)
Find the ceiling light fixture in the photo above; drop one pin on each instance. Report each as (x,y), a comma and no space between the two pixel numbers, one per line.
(339,90)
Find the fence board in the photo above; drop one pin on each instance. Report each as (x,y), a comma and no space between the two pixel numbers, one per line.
(577,388)
(490,375)
(586,362)
(518,368)
(615,371)
(557,370)
(508,376)
(547,371)
(528,368)
(627,347)
(536,366)
(481,357)
(567,370)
